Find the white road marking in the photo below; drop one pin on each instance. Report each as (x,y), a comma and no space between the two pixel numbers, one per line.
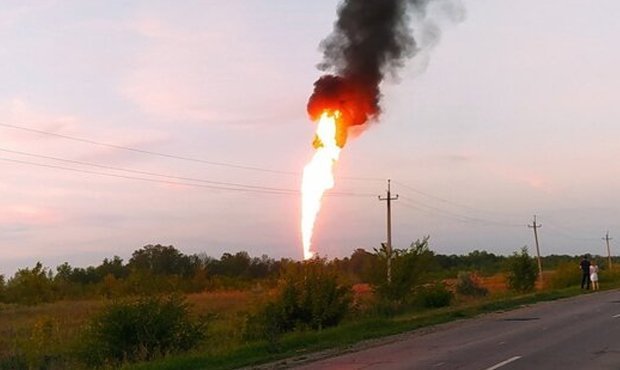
(504,363)
(616,316)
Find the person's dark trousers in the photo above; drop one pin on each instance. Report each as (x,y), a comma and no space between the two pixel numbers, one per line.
(585,280)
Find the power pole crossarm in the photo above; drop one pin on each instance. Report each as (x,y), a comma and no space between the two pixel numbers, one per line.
(389,199)
(536,226)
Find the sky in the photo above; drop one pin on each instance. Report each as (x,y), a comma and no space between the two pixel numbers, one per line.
(124,124)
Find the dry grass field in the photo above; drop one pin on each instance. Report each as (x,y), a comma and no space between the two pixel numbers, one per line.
(52,329)
(48,330)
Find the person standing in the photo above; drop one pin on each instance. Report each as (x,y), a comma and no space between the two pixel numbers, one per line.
(594,275)
(585,272)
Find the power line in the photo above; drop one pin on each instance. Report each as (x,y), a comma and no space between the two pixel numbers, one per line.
(138,171)
(563,232)
(443,200)
(168,155)
(240,188)
(214,187)
(458,216)
(142,151)
(406,204)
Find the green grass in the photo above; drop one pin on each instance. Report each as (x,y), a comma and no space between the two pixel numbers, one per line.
(301,344)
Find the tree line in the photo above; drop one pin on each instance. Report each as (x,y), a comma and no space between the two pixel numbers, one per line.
(164,269)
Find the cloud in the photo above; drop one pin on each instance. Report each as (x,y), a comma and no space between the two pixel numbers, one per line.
(523,176)
(189,73)
(169,79)
(11,15)
(27,215)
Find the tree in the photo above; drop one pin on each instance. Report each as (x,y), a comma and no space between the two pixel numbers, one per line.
(64,283)
(361,264)
(410,269)
(482,261)
(2,288)
(30,286)
(114,267)
(522,271)
(161,260)
(234,265)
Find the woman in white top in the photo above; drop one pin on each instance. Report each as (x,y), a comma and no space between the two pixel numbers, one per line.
(594,275)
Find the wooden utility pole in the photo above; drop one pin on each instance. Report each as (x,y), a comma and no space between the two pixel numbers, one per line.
(607,239)
(536,226)
(388,248)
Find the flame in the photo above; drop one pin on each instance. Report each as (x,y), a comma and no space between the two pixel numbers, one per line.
(317,175)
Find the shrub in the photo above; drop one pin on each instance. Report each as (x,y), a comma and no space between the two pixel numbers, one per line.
(310,297)
(434,296)
(468,284)
(141,330)
(410,269)
(267,324)
(522,271)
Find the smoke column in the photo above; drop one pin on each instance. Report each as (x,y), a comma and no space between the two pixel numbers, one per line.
(371,38)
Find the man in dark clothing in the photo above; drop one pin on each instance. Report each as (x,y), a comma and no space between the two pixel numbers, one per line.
(585,272)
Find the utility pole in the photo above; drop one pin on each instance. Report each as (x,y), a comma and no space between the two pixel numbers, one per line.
(536,226)
(388,248)
(607,239)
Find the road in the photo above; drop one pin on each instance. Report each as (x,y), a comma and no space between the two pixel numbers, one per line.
(582,332)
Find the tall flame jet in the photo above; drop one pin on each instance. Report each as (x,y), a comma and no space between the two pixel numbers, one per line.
(318,175)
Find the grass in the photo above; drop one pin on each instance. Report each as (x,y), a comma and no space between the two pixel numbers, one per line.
(29,326)
(38,332)
(31,335)
(301,344)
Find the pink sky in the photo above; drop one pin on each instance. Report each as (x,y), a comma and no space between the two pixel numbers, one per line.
(511,114)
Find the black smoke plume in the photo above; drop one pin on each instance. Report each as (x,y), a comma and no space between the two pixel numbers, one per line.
(371,38)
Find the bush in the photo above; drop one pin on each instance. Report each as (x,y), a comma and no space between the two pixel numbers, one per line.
(141,330)
(434,296)
(310,297)
(267,324)
(468,284)
(410,269)
(522,272)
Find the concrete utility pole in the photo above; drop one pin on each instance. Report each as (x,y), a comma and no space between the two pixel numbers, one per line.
(536,227)
(607,239)
(388,248)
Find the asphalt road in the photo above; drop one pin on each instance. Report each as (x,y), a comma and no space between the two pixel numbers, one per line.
(577,333)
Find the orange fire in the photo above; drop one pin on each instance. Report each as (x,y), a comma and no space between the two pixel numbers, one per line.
(318,176)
